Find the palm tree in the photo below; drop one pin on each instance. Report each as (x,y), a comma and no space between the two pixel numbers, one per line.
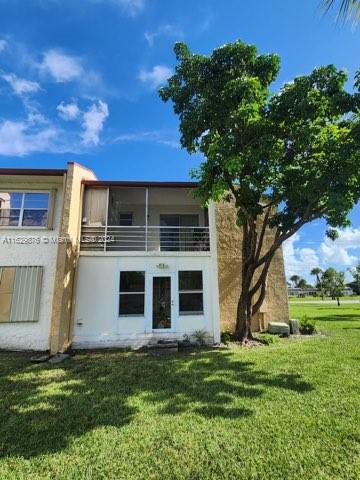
(295,279)
(318,272)
(302,284)
(346,8)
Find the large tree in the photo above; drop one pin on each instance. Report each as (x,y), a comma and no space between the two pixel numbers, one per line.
(284,159)
(334,283)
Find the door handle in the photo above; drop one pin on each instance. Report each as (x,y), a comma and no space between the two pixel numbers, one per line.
(172,303)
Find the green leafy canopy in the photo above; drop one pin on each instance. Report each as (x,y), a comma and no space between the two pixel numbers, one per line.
(297,150)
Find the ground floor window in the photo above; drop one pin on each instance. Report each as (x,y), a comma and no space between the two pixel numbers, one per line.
(191,292)
(20,294)
(132,293)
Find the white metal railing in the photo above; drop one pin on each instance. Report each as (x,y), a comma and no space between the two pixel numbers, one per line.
(144,238)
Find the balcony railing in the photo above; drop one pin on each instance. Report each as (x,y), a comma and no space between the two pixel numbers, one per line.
(144,239)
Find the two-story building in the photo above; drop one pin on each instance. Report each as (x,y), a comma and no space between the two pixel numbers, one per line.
(93,263)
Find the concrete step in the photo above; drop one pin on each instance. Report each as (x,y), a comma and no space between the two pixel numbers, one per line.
(164,346)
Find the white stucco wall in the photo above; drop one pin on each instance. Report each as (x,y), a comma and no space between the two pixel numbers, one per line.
(34,335)
(97,322)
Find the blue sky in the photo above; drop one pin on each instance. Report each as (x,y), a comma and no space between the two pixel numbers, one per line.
(78,81)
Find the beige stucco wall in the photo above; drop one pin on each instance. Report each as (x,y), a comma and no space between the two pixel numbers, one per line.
(67,256)
(229,237)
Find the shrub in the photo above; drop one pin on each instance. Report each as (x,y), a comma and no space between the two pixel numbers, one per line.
(307,326)
(186,338)
(200,336)
(267,338)
(225,337)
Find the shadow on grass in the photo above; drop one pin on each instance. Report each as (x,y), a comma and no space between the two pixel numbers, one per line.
(339,317)
(44,407)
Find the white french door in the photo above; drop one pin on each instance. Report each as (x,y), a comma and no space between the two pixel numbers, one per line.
(162,302)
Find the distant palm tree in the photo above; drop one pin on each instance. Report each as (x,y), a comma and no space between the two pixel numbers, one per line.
(295,279)
(302,284)
(346,8)
(318,272)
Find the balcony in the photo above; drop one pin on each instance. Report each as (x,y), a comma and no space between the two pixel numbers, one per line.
(135,219)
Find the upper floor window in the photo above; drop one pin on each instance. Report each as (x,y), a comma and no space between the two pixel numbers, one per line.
(24,209)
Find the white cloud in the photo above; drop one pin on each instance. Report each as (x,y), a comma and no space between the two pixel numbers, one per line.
(3,44)
(130,7)
(20,85)
(68,111)
(153,136)
(169,30)
(35,118)
(20,138)
(67,68)
(62,67)
(93,122)
(206,23)
(336,252)
(299,261)
(37,134)
(156,76)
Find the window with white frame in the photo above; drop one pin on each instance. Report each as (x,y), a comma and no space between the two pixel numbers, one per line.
(132,294)
(191,292)
(24,209)
(20,294)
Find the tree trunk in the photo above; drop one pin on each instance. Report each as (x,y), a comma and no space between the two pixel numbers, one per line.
(244,309)
(243,314)
(250,256)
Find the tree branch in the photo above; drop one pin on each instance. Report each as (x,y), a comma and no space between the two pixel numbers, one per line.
(261,298)
(262,276)
(262,234)
(280,238)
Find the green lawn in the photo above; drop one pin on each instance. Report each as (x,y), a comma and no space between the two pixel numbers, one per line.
(286,411)
(309,298)
(330,318)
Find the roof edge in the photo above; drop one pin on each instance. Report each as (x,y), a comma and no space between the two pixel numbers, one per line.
(42,172)
(111,183)
(77,164)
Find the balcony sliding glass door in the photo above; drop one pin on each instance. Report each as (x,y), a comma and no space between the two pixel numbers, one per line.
(126,219)
(174,236)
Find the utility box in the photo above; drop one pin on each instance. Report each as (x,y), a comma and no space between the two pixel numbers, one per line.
(294,327)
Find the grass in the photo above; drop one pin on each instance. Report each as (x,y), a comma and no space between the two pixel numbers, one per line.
(330,318)
(286,411)
(310,298)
